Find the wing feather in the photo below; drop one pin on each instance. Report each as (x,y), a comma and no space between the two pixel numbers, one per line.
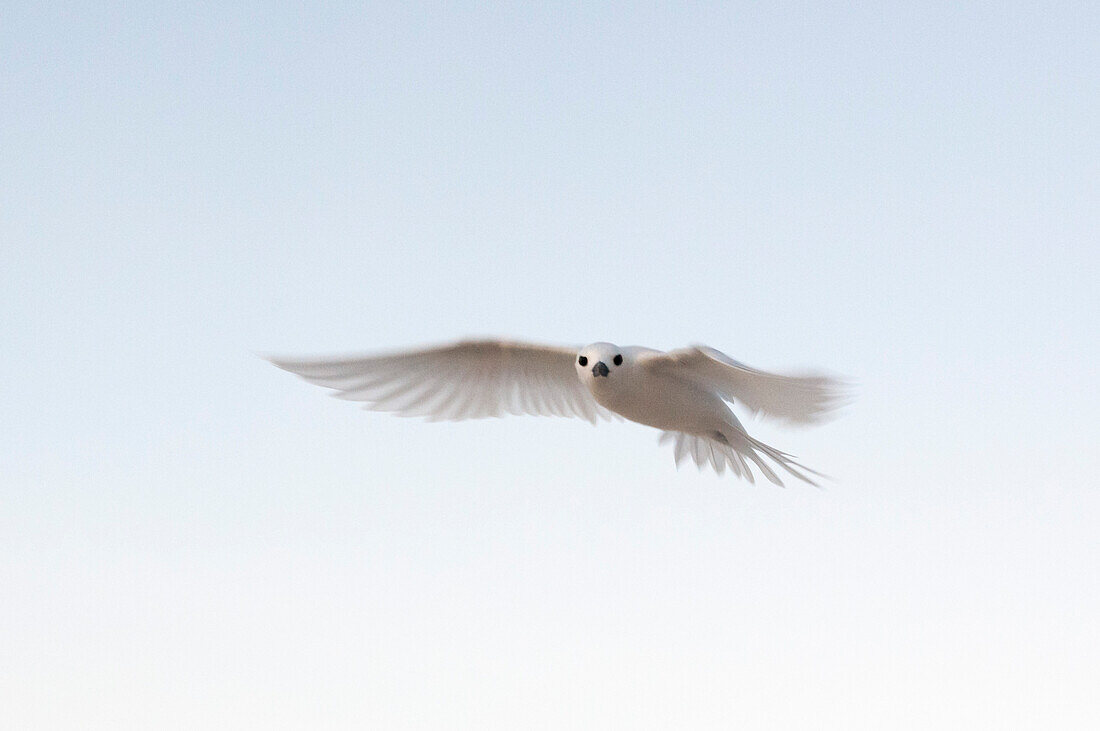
(472,379)
(806,398)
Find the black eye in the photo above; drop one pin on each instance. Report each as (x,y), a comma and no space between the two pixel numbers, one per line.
(582,360)
(618,359)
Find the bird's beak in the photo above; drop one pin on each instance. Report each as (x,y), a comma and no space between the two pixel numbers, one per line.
(600,369)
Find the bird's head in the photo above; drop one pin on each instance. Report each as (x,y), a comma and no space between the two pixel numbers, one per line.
(599,362)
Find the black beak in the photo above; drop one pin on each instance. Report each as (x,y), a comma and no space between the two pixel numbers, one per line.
(600,369)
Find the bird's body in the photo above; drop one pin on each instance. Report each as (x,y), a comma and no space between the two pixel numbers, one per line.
(684,393)
(660,400)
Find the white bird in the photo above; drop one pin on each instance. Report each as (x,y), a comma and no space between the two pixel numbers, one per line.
(684,393)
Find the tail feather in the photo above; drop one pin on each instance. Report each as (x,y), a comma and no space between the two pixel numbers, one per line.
(733,451)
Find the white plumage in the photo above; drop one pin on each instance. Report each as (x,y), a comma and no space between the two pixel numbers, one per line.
(684,392)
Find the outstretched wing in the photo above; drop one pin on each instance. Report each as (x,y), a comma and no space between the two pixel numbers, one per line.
(466,380)
(797,399)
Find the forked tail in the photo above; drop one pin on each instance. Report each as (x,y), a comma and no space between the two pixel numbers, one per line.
(735,449)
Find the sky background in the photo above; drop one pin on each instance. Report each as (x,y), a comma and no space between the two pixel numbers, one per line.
(903,193)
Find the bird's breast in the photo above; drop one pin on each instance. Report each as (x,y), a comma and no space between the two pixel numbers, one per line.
(662,403)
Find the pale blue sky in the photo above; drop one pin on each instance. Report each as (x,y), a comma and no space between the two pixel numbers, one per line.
(907,194)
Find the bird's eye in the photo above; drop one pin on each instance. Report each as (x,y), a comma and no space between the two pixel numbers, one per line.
(618,359)
(582,360)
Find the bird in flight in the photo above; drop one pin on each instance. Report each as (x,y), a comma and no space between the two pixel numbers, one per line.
(685,393)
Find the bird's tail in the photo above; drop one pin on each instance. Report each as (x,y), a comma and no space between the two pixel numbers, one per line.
(736,450)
